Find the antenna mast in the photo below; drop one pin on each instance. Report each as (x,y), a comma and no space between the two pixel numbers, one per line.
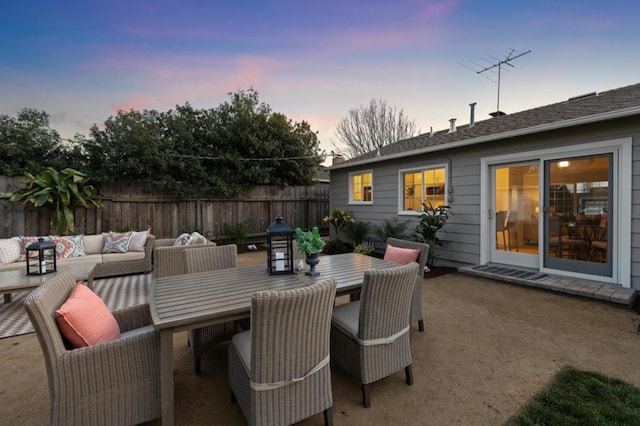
(506,61)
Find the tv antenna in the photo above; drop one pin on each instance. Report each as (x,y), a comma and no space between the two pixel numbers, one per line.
(498,63)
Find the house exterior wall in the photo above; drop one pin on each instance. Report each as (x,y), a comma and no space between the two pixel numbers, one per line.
(463,228)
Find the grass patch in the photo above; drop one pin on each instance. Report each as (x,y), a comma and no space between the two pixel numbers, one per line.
(582,398)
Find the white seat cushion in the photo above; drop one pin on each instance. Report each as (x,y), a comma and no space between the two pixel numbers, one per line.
(120,257)
(346,318)
(242,343)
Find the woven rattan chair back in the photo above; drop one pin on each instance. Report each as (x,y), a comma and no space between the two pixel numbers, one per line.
(417,312)
(210,258)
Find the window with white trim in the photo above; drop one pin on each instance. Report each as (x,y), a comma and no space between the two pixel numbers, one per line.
(361,187)
(423,186)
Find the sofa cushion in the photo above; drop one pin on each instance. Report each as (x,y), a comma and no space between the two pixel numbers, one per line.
(401,256)
(69,246)
(116,242)
(85,320)
(121,257)
(13,266)
(138,240)
(93,244)
(10,250)
(90,258)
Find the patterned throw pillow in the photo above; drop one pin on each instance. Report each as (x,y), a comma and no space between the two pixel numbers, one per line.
(190,239)
(181,240)
(26,241)
(138,240)
(116,242)
(69,246)
(10,250)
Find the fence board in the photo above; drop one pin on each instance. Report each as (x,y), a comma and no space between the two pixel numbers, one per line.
(140,207)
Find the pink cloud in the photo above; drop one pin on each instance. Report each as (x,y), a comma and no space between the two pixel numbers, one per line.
(137,103)
(436,9)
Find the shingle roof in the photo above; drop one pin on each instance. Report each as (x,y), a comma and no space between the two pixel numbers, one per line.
(582,107)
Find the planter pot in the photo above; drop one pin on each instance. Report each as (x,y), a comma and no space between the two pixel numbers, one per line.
(312,260)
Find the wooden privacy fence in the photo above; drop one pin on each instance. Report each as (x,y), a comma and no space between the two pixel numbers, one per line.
(141,207)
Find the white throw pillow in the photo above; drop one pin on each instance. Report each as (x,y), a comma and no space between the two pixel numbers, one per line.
(138,240)
(10,250)
(196,238)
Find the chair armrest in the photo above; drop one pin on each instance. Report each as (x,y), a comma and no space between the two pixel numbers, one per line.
(133,317)
(163,242)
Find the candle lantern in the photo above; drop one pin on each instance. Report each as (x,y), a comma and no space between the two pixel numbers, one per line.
(41,257)
(279,248)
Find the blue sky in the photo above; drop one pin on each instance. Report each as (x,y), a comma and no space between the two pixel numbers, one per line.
(82,61)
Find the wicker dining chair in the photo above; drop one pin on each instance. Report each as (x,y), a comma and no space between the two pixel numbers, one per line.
(279,370)
(370,337)
(417,313)
(202,259)
(117,382)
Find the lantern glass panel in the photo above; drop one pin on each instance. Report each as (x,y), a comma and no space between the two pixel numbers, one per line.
(41,257)
(279,248)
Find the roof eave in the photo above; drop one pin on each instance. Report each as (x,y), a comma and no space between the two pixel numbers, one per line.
(611,115)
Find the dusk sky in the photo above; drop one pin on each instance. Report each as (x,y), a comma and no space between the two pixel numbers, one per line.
(82,61)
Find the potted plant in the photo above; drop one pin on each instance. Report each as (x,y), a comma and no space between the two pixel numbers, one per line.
(311,244)
(432,220)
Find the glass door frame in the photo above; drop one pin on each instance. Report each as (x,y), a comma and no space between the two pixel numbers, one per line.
(621,199)
(578,263)
(509,256)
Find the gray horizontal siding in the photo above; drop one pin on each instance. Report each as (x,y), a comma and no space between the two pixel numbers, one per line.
(463,228)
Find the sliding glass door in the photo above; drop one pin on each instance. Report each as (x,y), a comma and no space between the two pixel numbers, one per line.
(514,214)
(577,210)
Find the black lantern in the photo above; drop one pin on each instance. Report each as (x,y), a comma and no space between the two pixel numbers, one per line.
(279,248)
(41,257)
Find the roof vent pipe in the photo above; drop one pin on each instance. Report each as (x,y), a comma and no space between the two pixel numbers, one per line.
(472,119)
(452,125)
(431,132)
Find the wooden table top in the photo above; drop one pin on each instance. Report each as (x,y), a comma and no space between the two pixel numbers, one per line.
(19,280)
(194,300)
(348,269)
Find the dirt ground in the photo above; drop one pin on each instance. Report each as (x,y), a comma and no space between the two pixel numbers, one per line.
(487,349)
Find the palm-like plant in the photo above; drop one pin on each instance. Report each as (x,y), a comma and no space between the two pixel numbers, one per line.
(62,191)
(340,219)
(432,220)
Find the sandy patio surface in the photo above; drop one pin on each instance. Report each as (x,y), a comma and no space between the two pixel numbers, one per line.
(487,349)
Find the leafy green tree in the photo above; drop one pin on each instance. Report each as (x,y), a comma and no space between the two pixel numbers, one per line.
(260,147)
(62,191)
(128,149)
(27,143)
(218,151)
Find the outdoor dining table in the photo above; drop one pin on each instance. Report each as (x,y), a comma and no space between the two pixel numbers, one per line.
(184,302)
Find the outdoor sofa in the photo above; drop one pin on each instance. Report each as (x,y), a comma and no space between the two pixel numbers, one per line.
(135,256)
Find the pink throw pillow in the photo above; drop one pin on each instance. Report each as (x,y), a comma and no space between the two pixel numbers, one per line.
(401,256)
(85,320)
